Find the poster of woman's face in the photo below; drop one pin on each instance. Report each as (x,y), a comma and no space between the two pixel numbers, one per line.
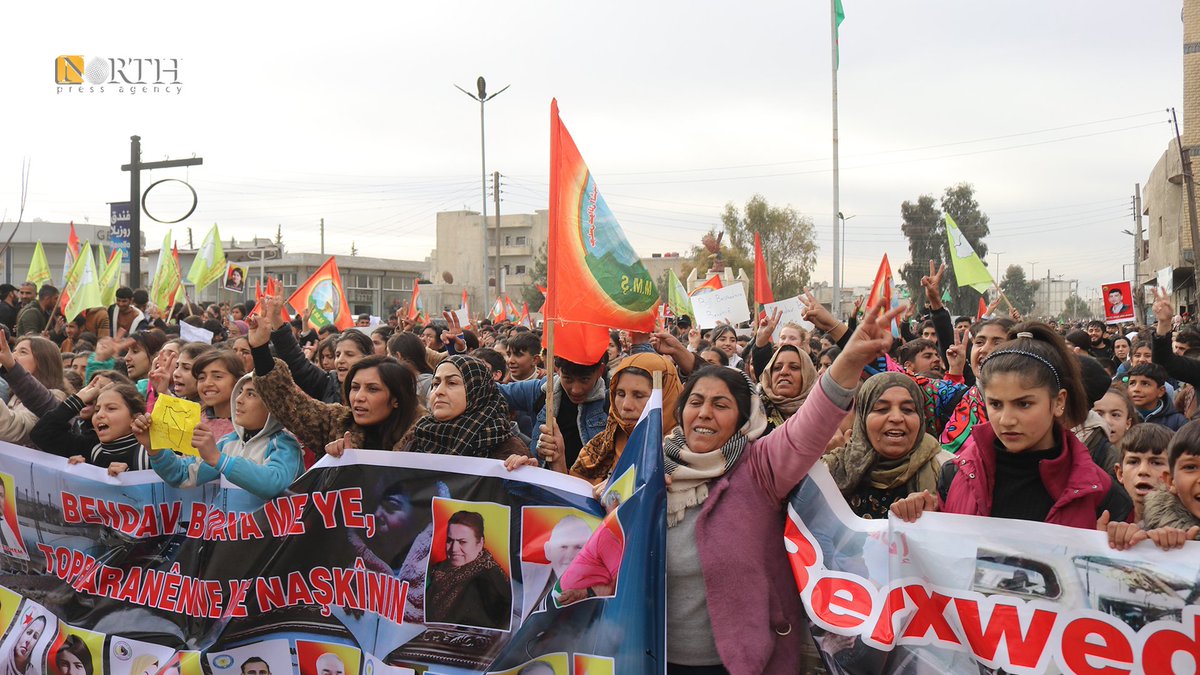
(23,650)
(134,657)
(468,582)
(76,652)
(11,542)
(235,278)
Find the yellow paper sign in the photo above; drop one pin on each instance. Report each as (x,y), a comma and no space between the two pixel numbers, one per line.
(172,422)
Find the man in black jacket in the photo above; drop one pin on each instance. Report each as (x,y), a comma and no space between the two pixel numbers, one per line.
(8,306)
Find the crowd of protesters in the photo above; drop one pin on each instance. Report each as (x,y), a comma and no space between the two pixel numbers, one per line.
(1083,425)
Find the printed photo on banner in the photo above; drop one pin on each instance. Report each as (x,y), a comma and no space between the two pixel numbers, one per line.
(469,580)
(548,664)
(551,538)
(327,658)
(268,657)
(373,666)
(183,663)
(11,541)
(10,602)
(586,664)
(134,657)
(23,650)
(1118,301)
(235,278)
(77,652)
(593,573)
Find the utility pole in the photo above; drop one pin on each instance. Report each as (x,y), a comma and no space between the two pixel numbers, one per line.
(1138,292)
(1185,158)
(135,167)
(483,97)
(496,194)
(837,256)
(322,236)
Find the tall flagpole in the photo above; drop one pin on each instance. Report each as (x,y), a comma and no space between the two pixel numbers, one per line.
(836,305)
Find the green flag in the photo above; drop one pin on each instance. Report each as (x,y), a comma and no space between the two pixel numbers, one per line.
(969,270)
(110,278)
(39,267)
(677,297)
(946,296)
(82,289)
(839,15)
(209,264)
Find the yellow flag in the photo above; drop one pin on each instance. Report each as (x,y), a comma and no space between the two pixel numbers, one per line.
(969,270)
(39,267)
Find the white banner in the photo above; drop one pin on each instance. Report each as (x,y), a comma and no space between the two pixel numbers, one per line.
(726,305)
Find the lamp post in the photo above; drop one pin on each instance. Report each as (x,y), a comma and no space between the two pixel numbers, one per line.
(483,97)
(842,271)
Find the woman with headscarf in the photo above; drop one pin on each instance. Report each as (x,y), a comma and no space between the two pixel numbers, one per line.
(467,414)
(21,660)
(889,455)
(784,384)
(629,390)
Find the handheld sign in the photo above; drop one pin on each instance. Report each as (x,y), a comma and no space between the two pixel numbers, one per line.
(725,304)
(793,312)
(172,422)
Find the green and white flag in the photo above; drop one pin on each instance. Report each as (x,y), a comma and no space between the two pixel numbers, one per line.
(969,270)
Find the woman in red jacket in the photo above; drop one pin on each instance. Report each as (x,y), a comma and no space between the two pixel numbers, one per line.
(1025,463)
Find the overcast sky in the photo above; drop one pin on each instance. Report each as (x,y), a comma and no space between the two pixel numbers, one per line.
(1052,110)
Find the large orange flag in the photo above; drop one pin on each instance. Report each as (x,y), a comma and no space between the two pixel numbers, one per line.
(324,295)
(594,275)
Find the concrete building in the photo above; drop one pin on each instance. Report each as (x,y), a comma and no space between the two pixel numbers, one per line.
(456,264)
(19,252)
(373,285)
(1167,239)
(1051,296)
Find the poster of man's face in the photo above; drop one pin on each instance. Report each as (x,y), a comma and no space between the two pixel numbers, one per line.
(551,538)
(268,657)
(468,580)
(548,664)
(327,658)
(1117,302)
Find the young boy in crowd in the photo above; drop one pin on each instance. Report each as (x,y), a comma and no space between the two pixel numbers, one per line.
(921,357)
(1143,467)
(523,351)
(1177,508)
(1148,390)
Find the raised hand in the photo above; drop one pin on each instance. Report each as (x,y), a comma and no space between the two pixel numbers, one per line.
(141,431)
(932,283)
(1164,312)
(260,331)
(6,356)
(453,334)
(815,313)
(766,328)
(956,354)
(204,441)
(872,339)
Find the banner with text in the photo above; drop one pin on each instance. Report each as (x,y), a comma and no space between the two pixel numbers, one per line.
(959,594)
(378,563)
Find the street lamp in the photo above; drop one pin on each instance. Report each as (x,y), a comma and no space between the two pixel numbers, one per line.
(483,97)
(842,279)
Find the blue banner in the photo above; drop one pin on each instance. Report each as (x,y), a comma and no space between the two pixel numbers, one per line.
(377,563)
(119,229)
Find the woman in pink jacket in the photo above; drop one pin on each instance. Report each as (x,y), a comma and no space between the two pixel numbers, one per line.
(732,604)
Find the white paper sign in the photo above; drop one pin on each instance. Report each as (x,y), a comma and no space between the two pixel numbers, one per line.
(376,322)
(793,312)
(1166,279)
(726,304)
(463,319)
(194,333)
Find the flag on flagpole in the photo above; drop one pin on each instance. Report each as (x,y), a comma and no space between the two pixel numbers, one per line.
(110,277)
(498,310)
(713,284)
(39,267)
(969,270)
(839,15)
(414,304)
(595,275)
(982,310)
(71,254)
(82,290)
(762,283)
(209,263)
(677,298)
(525,320)
(881,290)
(324,295)
(464,311)
(510,309)
(166,281)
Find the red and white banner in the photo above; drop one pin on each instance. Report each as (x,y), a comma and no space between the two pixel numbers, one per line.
(1118,302)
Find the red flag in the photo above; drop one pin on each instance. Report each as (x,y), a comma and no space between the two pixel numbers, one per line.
(324,294)
(713,284)
(982,310)
(596,275)
(498,310)
(881,290)
(580,343)
(465,309)
(525,320)
(274,288)
(414,304)
(762,283)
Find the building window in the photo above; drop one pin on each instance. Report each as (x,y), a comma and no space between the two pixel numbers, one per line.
(520,241)
(520,269)
(506,269)
(508,241)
